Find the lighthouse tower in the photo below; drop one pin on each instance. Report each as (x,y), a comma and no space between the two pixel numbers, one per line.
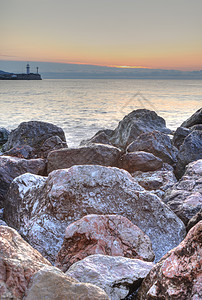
(28,69)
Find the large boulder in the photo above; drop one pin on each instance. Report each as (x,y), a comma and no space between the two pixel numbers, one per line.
(4,134)
(190,150)
(195,119)
(51,284)
(69,194)
(134,124)
(139,161)
(18,262)
(185,197)
(103,234)
(33,134)
(11,167)
(94,154)
(157,143)
(177,275)
(116,275)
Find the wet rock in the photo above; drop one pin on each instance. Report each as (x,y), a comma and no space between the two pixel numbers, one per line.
(94,154)
(50,283)
(70,194)
(195,119)
(185,197)
(18,262)
(139,161)
(134,124)
(11,167)
(103,234)
(180,134)
(178,274)
(4,134)
(101,137)
(190,150)
(157,182)
(157,143)
(33,134)
(115,275)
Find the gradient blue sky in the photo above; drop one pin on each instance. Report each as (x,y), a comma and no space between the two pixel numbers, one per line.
(162,34)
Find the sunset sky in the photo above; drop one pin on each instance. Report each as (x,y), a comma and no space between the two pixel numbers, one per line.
(160,34)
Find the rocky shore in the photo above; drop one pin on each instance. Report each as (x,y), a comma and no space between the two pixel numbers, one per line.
(118,217)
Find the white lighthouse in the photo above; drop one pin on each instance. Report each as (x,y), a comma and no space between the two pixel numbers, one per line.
(28,69)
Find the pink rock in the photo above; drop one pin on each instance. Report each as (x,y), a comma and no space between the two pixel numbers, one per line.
(103,234)
(178,274)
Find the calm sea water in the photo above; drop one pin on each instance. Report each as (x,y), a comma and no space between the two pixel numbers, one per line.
(82,107)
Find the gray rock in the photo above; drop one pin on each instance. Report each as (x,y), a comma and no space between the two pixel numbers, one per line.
(191,150)
(180,134)
(185,197)
(134,124)
(52,143)
(101,137)
(11,167)
(196,118)
(34,134)
(70,194)
(157,143)
(139,161)
(194,220)
(4,134)
(115,275)
(94,154)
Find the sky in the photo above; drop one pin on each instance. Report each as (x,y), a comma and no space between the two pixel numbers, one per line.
(155,34)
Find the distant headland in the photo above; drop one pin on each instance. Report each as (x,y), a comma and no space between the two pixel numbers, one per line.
(22,76)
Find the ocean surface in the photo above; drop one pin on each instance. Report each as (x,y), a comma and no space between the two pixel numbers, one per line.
(82,107)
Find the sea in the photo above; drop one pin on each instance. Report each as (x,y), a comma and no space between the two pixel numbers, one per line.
(84,106)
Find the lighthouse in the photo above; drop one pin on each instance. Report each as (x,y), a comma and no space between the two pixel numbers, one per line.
(28,69)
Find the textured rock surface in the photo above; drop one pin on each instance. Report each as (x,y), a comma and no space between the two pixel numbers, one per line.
(134,124)
(24,151)
(178,274)
(95,154)
(4,134)
(101,137)
(70,194)
(157,143)
(52,284)
(18,262)
(194,220)
(196,118)
(116,275)
(52,143)
(190,150)
(34,134)
(157,181)
(185,197)
(180,134)
(139,161)
(11,167)
(103,234)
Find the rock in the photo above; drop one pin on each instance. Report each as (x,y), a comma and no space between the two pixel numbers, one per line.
(2,223)
(194,220)
(24,151)
(11,167)
(178,274)
(116,275)
(134,124)
(185,197)
(195,119)
(94,154)
(140,161)
(18,262)
(101,137)
(50,283)
(33,134)
(157,143)
(4,134)
(52,143)
(180,134)
(190,150)
(70,194)
(157,182)
(103,234)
